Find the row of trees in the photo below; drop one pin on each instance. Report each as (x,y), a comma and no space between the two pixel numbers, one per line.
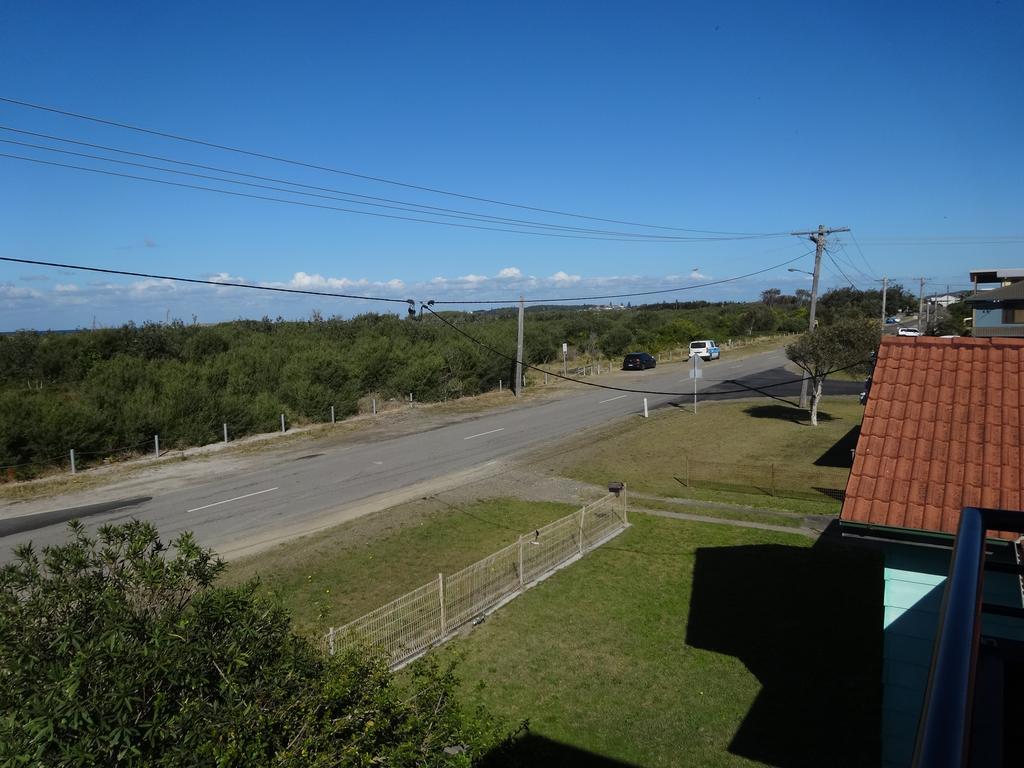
(104,390)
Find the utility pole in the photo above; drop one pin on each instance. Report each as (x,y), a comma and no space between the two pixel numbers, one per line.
(818,238)
(885,289)
(920,309)
(519,352)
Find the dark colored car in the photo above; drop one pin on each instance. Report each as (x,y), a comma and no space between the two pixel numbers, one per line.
(638,361)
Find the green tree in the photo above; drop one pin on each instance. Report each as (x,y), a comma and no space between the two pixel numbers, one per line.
(120,651)
(831,348)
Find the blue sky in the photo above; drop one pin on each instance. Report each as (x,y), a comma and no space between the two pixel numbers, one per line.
(902,121)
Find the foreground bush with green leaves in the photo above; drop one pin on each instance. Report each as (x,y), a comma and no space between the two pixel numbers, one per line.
(120,650)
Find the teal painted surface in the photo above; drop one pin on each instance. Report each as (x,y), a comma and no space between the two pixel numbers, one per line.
(915,578)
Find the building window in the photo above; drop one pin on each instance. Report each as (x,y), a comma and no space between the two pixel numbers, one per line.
(1013,315)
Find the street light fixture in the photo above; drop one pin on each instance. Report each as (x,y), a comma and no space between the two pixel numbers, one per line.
(792,269)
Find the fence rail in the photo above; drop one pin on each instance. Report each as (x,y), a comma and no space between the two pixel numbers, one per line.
(769,478)
(428,615)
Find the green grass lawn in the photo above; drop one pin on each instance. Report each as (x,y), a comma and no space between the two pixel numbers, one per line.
(682,644)
(723,454)
(332,577)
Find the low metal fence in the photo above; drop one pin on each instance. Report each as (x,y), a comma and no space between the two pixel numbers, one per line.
(771,478)
(427,616)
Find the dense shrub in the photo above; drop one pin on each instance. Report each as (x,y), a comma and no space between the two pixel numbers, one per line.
(119,651)
(106,389)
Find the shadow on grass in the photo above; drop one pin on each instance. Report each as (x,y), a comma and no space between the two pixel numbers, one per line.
(807,623)
(533,750)
(840,454)
(785,413)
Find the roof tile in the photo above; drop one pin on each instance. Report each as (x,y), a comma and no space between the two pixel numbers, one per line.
(942,430)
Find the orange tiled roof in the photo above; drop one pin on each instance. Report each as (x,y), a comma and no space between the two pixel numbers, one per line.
(941,431)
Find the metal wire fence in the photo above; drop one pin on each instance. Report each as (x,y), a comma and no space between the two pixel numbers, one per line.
(772,479)
(427,616)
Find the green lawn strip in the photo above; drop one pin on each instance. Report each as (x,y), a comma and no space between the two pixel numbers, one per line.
(682,643)
(755,454)
(332,577)
(752,515)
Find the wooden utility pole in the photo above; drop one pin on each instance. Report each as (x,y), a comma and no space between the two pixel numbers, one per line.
(818,238)
(519,352)
(920,309)
(885,289)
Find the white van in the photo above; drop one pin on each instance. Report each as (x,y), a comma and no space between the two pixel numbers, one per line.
(706,349)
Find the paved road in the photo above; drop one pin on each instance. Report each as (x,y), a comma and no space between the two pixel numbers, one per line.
(278,495)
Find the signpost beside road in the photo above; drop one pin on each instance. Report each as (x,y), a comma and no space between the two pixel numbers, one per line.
(696,372)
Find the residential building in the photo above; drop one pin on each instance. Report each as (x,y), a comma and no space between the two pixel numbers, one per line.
(941,431)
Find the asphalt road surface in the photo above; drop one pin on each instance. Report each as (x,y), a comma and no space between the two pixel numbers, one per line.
(272,496)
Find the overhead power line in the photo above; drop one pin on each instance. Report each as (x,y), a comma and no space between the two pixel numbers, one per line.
(947,240)
(229,284)
(511,358)
(835,263)
(216,283)
(353,174)
(359,198)
(690,287)
(320,206)
(467,216)
(853,237)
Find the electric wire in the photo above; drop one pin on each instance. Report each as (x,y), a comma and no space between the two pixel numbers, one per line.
(839,252)
(512,359)
(335,208)
(835,263)
(874,275)
(366,177)
(383,202)
(844,255)
(216,283)
(331,294)
(690,287)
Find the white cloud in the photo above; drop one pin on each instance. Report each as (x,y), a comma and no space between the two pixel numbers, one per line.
(510,272)
(562,277)
(697,275)
(65,288)
(13,292)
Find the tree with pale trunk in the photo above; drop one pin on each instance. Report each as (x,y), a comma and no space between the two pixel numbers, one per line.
(841,346)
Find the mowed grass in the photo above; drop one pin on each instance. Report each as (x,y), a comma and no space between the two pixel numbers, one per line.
(332,577)
(682,643)
(726,444)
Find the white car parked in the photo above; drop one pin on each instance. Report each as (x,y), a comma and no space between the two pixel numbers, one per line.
(706,349)
(908,332)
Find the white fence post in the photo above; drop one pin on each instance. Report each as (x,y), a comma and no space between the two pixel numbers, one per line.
(72,461)
(499,385)
(645,407)
(156,445)
(330,641)
(225,432)
(282,422)
(583,513)
(332,414)
(440,596)
(522,577)
(545,377)
(375,406)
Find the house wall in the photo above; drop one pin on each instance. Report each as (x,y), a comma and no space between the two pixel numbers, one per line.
(988,321)
(914,582)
